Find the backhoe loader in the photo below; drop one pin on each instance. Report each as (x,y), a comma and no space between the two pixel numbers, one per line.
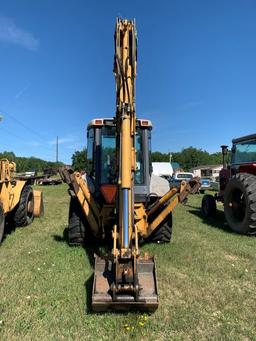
(19,203)
(118,197)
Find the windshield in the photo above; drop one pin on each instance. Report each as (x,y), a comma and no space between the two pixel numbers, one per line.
(244,153)
(108,156)
(184,176)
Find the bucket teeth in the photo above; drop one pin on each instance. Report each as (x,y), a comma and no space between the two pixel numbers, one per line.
(102,298)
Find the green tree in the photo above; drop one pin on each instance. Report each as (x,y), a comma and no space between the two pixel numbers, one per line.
(160,157)
(8,155)
(79,160)
(216,158)
(192,157)
(24,164)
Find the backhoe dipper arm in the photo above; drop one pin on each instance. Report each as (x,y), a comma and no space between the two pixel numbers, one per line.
(125,74)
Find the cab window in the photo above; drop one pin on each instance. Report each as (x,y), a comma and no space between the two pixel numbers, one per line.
(90,141)
(139,172)
(108,153)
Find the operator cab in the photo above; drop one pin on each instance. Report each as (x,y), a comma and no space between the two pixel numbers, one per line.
(101,156)
(243,158)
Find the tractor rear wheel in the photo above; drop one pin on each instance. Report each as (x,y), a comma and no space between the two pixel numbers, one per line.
(78,229)
(164,232)
(240,203)
(208,206)
(24,213)
(2,223)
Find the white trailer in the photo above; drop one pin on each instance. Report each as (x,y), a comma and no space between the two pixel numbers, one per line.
(163,169)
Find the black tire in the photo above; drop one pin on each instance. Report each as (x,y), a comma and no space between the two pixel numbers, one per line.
(2,222)
(24,213)
(240,204)
(163,234)
(208,206)
(201,191)
(78,226)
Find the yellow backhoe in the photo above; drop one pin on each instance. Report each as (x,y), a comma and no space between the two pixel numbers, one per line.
(19,203)
(119,197)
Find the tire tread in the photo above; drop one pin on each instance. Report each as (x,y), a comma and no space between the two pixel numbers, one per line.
(163,234)
(248,184)
(20,217)
(78,230)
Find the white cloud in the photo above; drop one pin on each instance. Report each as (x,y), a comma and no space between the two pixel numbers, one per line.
(12,34)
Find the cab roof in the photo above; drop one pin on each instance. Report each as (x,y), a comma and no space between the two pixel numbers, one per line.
(110,121)
(246,138)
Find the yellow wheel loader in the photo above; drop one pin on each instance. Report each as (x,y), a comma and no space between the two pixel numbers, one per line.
(119,197)
(19,203)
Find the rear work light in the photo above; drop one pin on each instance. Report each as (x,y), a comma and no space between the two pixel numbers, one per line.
(144,123)
(98,122)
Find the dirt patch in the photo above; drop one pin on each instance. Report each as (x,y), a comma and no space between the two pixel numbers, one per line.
(231,257)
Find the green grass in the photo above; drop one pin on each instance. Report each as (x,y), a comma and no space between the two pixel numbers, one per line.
(206,280)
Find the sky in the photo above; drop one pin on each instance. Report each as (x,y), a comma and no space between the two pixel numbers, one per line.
(196,72)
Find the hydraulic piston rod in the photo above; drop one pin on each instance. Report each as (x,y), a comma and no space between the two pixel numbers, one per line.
(125,217)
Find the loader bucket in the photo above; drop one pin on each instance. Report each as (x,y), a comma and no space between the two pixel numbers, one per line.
(38,203)
(103,278)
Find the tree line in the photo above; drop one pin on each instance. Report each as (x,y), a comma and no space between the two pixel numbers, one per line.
(25,164)
(188,158)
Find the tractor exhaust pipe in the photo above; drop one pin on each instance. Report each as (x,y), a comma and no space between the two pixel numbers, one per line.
(224,150)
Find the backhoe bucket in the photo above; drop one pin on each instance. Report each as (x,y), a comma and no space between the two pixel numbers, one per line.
(102,299)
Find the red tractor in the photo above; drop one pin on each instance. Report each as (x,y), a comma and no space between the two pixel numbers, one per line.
(237,187)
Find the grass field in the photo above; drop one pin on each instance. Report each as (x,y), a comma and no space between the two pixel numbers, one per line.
(206,276)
